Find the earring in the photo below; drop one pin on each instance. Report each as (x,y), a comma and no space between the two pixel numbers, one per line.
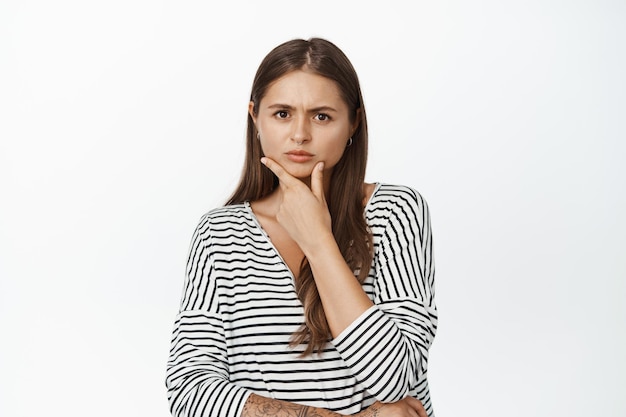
(349,142)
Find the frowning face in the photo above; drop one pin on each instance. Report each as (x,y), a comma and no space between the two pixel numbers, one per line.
(303,120)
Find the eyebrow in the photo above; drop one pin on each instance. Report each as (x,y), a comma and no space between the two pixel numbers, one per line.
(313,110)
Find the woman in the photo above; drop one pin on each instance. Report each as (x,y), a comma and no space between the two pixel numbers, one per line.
(311,291)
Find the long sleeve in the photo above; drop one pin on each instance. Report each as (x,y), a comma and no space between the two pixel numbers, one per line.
(197,377)
(387,346)
(239,310)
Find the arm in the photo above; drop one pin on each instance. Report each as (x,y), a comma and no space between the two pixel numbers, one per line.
(197,371)
(385,345)
(303,213)
(258,406)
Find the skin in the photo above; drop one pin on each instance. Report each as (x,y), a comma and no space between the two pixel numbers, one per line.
(305,111)
(258,406)
(307,108)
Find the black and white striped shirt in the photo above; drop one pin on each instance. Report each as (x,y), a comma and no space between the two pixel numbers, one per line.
(239,309)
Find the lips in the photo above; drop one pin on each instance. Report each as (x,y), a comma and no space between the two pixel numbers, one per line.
(299,153)
(299,156)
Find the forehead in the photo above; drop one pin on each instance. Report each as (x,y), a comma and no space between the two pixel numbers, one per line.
(303,87)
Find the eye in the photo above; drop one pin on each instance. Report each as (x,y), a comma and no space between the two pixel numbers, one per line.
(322,117)
(282,114)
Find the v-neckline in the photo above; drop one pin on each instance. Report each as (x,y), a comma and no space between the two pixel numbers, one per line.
(258,225)
(268,239)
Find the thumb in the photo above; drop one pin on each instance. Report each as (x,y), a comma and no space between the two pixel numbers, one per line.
(317,181)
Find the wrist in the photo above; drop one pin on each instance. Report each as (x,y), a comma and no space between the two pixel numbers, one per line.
(322,247)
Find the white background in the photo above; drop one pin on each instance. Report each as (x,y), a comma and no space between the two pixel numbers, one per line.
(122,122)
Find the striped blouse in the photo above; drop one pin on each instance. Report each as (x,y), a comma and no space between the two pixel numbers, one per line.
(239,309)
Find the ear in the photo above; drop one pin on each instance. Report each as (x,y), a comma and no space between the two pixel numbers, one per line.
(251,111)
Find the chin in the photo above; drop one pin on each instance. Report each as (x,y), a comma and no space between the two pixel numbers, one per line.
(300,172)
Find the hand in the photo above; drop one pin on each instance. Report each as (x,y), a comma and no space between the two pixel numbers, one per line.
(406,407)
(302,211)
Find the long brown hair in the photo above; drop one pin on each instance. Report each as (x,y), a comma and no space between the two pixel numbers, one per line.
(345,200)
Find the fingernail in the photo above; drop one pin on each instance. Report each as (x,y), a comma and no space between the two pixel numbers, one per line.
(320,166)
(264,160)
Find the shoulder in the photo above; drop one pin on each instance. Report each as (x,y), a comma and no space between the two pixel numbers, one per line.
(397,197)
(226,217)
(226,213)
(397,207)
(398,216)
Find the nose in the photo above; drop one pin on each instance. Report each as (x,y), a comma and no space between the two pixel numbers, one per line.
(301,131)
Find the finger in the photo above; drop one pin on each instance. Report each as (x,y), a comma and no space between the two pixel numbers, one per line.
(417,406)
(278,170)
(317,181)
(421,411)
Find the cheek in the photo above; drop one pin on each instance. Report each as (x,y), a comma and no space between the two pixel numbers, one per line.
(271,135)
(334,155)
(268,147)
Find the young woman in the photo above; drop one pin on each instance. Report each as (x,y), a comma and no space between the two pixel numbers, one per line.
(310,293)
